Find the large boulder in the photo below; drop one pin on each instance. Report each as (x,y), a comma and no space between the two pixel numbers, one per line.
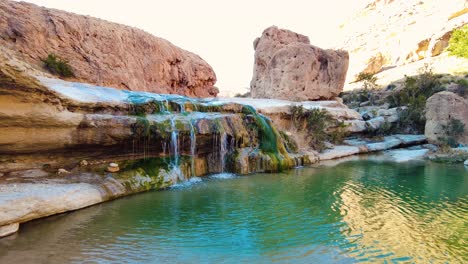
(288,67)
(104,53)
(441,108)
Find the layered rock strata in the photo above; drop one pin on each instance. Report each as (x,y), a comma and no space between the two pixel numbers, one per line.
(104,53)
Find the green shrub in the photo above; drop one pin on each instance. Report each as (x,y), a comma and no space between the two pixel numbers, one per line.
(58,66)
(462,88)
(319,125)
(452,130)
(384,130)
(369,85)
(416,90)
(339,133)
(290,144)
(458,43)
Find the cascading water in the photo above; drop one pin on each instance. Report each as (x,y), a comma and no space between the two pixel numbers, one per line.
(176,173)
(193,144)
(223,150)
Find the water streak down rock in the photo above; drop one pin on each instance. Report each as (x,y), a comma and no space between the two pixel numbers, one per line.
(288,67)
(104,53)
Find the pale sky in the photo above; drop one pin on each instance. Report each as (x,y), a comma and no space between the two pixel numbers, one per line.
(221,32)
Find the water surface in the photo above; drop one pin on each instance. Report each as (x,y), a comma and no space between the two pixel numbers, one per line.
(358,211)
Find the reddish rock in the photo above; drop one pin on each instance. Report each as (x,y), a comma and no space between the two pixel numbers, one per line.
(104,53)
(288,67)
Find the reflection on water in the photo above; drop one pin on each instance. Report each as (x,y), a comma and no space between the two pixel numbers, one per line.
(357,211)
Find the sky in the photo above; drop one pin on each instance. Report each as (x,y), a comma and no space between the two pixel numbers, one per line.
(221,32)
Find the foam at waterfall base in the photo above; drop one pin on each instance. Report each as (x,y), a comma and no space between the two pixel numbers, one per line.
(224,176)
(188,183)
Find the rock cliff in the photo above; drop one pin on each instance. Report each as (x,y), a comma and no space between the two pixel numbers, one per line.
(104,53)
(390,35)
(288,67)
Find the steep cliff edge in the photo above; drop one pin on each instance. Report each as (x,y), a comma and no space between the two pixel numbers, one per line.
(103,53)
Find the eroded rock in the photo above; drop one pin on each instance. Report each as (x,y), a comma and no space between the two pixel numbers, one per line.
(441,109)
(288,67)
(104,53)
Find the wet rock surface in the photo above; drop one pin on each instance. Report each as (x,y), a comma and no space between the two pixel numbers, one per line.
(363,145)
(156,140)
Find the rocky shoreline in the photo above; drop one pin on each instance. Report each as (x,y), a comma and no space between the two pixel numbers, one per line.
(87,128)
(37,183)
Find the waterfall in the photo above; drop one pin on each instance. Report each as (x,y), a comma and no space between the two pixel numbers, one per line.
(223,150)
(193,144)
(176,173)
(182,107)
(174,143)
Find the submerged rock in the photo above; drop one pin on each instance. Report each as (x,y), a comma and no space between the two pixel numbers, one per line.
(288,67)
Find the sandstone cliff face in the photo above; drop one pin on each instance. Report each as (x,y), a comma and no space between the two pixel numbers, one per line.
(288,67)
(388,34)
(104,53)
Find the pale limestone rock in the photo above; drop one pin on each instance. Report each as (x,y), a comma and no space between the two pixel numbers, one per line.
(440,109)
(375,123)
(62,172)
(339,152)
(288,67)
(9,229)
(24,202)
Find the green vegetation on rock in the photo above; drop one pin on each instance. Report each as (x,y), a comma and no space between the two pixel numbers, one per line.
(416,90)
(58,66)
(452,130)
(320,126)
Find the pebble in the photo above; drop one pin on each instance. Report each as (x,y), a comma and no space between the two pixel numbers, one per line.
(83,163)
(62,171)
(113,167)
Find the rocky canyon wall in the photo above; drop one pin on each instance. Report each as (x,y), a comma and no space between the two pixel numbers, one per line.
(104,53)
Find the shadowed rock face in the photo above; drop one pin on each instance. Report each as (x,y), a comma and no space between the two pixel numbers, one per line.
(288,67)
(104,53)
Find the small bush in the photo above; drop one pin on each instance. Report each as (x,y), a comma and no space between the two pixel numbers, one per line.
(462,88)
(458,43)
(320,126)
(416,90)
(369,85)
(452,130)
(339,133)
(290,144)
(58,66)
